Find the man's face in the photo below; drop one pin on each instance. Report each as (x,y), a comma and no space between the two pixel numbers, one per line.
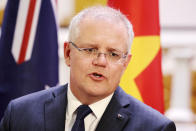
(96,78)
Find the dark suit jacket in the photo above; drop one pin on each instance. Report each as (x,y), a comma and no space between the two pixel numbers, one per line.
(45,111)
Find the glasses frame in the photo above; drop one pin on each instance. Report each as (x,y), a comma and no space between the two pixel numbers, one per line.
(124,55)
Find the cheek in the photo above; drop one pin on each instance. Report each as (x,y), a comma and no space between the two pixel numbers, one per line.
(79,65)
(116,73)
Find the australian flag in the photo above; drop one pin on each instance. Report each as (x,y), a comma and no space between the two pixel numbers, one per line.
(28,49)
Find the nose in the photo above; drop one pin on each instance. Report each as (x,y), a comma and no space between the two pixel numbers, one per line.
(100,60)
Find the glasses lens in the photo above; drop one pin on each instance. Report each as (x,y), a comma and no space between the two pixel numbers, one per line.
(92,53)
(114,56)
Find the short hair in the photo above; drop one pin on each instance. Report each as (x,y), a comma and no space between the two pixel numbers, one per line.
(105,12)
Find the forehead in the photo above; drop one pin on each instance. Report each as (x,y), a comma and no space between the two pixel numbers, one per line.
(103,32)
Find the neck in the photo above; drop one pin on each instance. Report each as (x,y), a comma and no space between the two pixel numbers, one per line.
(85,98)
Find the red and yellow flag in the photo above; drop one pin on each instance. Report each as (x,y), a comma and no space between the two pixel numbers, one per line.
(143,77)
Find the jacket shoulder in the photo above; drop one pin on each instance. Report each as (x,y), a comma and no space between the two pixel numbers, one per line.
(142,116)
(26,111)
(39,97)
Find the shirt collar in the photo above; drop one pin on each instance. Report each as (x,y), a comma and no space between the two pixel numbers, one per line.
(73,102)
(97,108)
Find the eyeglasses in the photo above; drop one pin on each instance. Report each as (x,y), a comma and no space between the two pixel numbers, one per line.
(111,56)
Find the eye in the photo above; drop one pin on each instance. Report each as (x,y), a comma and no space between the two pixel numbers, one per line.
(114,54)
(90,50)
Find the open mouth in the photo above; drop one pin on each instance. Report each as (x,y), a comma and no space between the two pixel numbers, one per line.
(97,75)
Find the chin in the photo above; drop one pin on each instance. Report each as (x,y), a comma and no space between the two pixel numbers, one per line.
(99,92)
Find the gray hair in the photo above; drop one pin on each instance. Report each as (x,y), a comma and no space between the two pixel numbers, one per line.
(105,12)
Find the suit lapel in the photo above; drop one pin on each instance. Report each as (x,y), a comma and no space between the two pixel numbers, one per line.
(55,109)
(116,115)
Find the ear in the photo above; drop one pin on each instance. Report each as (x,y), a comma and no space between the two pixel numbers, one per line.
(127,61)
(67,53)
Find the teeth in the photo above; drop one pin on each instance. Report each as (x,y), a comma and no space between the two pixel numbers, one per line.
(97,75)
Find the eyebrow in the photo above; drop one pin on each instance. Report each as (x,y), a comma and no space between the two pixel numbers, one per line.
(90,45)
(113,49)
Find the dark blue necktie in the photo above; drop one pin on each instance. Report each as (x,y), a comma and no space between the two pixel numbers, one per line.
(82,112)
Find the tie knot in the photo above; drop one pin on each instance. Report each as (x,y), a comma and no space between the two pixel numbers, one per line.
(83,111)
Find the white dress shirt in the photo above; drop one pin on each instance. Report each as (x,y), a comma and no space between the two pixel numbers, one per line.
(91,121)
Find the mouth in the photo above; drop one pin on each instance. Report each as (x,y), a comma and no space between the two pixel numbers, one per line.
(97,76)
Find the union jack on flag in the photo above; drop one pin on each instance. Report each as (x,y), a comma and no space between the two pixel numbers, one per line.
(28,49)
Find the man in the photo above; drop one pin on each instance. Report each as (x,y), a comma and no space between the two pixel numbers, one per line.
(97,53)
